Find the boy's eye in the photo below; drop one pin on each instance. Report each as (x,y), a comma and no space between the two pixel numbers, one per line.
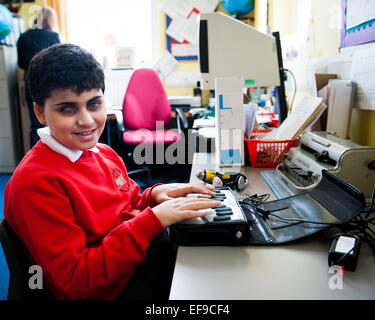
(67,109)
(94,105)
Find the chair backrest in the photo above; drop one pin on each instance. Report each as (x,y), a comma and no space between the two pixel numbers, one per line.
(18,265)
(145,101)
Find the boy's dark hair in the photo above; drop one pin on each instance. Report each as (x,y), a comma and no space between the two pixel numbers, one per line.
(63,66)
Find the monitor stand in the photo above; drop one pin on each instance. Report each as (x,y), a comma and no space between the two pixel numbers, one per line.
(280,104)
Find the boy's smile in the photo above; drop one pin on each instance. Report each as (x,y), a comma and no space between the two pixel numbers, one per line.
(76,121)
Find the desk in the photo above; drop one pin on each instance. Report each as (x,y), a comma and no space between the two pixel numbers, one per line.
(298,270)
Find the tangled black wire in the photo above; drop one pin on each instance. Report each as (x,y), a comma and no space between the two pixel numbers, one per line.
(361,226)
(254,200)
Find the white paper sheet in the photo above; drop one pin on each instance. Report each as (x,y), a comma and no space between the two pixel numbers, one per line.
(177,8)
(183,7)
(184,49)
(176,29)
(185,27)
(358,12)
(363,70)
(167,6)
(205,6)
(190,31)
(182,29)
(300,118)
(166,65)
(249,113)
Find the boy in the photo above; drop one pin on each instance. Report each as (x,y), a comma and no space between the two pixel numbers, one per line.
(72,203)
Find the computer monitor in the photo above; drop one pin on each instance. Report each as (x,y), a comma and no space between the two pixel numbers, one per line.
(229,47)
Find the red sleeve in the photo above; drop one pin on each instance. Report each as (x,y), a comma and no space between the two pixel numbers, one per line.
(144,200)
(43,217)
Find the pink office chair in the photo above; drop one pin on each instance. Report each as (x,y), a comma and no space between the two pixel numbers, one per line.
(146,113)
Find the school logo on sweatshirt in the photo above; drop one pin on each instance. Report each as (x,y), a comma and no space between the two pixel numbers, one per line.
(121,182)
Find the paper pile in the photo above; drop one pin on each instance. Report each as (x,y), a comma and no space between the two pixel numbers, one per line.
(301,118)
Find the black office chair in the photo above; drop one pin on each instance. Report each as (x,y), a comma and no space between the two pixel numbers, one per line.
(18,265)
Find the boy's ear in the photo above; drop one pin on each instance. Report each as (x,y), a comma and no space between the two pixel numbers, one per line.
(39,112)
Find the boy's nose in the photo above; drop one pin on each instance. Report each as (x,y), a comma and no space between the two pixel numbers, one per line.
(85,119)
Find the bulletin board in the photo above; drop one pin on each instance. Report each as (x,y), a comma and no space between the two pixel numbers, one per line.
(362,33)
(171,42)
(182,26)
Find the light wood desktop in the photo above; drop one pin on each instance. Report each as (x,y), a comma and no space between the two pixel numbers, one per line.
(298,270)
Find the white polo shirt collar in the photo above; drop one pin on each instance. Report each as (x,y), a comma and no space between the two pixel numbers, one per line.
(72,154)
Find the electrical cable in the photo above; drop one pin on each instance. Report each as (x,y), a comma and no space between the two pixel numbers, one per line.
(256,201)
(295,88)
(372,203)
(361,226)
(302,220)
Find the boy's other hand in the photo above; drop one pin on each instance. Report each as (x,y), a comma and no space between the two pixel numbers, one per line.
(170,191)
(178,209)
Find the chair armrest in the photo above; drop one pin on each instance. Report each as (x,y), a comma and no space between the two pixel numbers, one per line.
(181,118)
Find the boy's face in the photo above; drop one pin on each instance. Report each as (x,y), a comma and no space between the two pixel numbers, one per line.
(76,121)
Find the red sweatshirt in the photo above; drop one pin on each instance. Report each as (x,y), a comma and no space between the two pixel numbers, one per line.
(85,223)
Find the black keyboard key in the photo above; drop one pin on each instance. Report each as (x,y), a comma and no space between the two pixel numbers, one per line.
(222,206)
(220,196)
(222,218)
(223,209)
(224,213)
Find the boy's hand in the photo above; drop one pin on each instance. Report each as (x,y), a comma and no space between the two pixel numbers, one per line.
(170,191)
(178,209)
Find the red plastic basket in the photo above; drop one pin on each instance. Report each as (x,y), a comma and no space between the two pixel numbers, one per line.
(267,153)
